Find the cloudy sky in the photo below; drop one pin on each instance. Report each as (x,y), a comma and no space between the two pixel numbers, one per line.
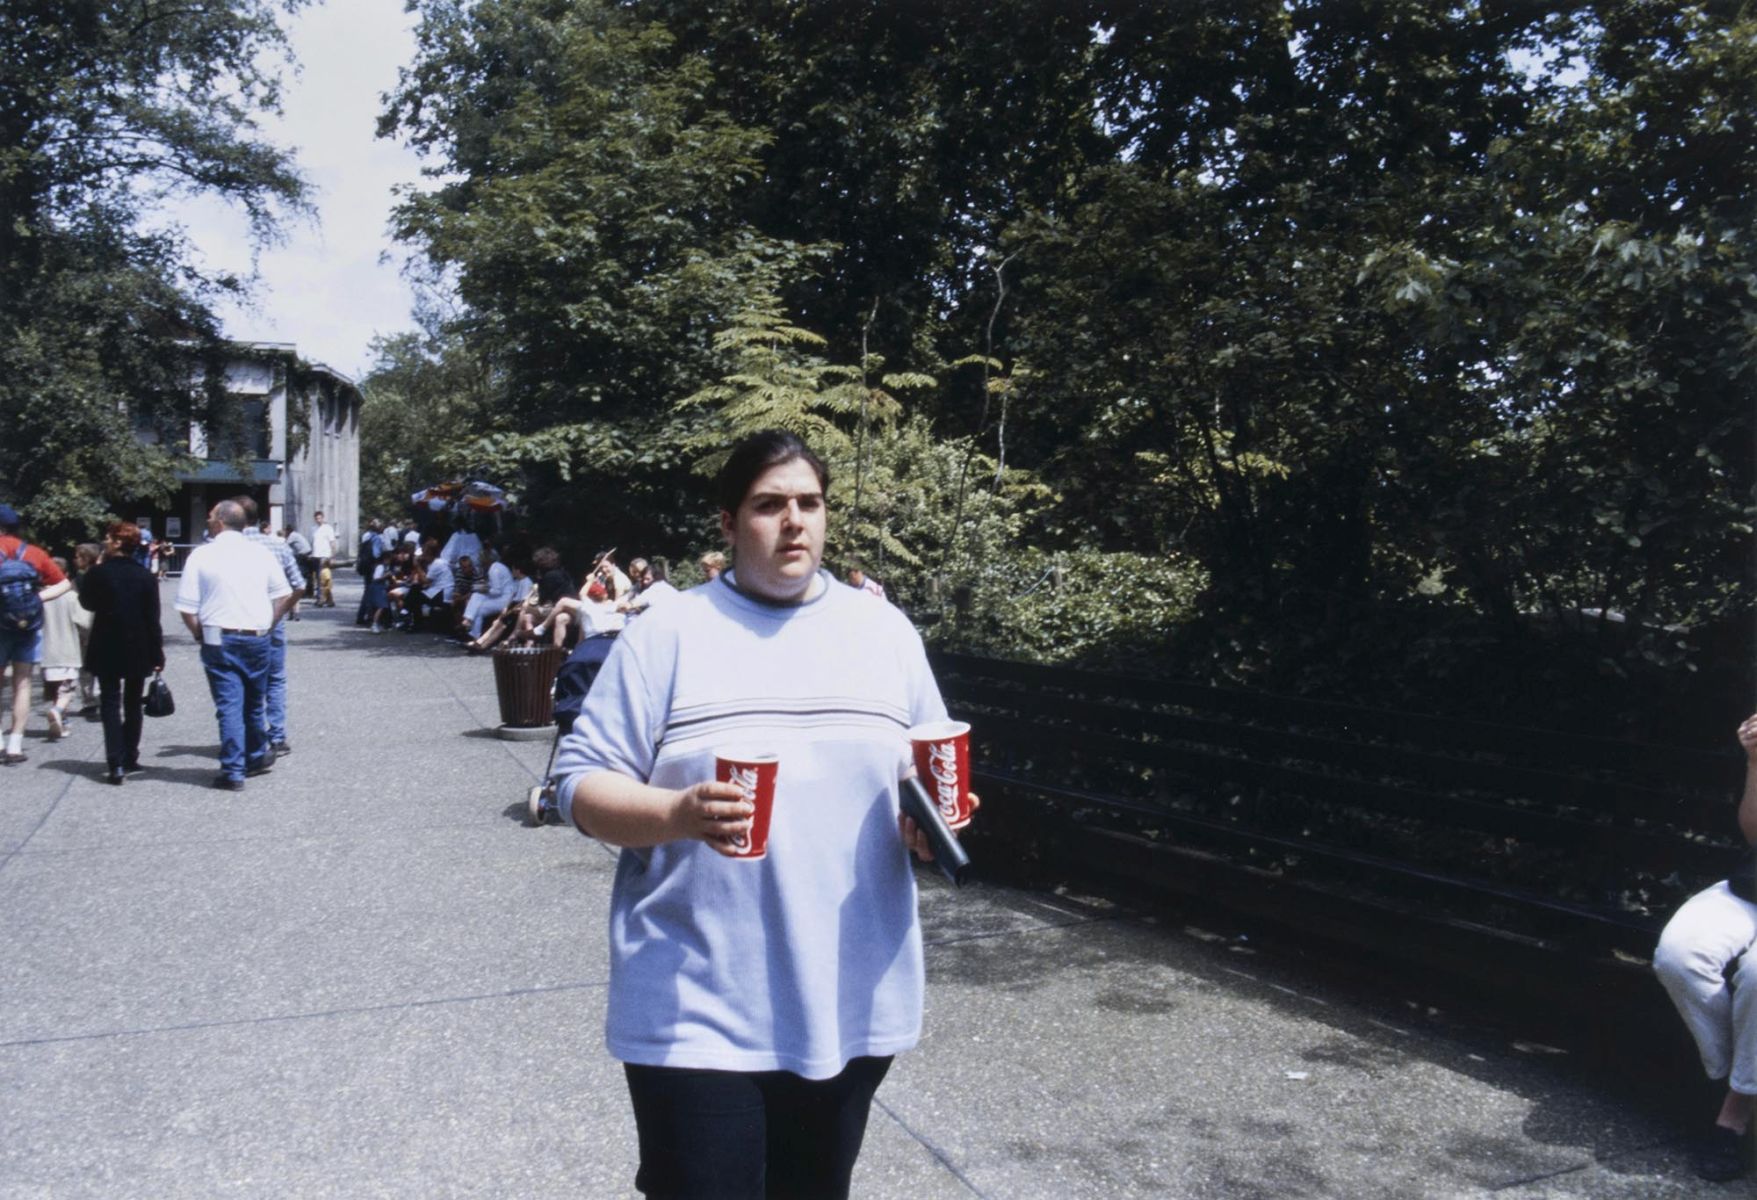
(326,290)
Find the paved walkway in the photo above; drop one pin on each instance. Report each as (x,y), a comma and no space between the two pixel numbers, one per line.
(365,976)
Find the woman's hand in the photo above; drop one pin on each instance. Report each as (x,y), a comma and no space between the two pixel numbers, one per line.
(1748,737)
(711,812)
(917,840)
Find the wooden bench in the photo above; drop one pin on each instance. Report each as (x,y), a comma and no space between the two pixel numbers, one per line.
(1525,861)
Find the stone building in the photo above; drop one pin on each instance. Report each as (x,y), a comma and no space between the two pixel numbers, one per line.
(297,448)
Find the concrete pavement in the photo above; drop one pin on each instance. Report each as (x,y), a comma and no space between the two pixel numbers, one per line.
(364,976)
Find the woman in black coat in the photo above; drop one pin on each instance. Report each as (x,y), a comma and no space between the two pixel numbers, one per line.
(126,643)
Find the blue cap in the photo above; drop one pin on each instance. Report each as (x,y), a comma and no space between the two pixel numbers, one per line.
(8,516)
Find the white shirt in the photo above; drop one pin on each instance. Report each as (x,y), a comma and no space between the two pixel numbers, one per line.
(438,579)
(231,583)
(501,586)
(600,616)
(620,587)
(323,541)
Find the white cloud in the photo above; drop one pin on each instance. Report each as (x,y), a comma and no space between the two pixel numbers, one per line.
(325,289)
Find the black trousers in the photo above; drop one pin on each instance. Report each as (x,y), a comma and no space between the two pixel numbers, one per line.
(732,1135)
(119,701)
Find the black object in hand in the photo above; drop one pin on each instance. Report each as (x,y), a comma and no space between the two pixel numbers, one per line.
(948,852)
(158,697)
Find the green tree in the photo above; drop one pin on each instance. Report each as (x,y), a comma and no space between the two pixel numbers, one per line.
(1371,317)
(106,108)
(589,217)
(424,394)
(1403,328)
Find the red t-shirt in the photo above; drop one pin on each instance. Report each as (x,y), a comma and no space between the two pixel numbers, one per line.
(49,573)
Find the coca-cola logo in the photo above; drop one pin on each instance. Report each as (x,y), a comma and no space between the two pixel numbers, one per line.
(942,768)
(744,779)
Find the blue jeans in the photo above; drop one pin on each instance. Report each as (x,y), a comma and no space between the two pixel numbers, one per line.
(277,683)
(21,647)
(237,675)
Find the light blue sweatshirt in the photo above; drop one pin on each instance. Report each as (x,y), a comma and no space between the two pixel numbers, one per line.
(811,956)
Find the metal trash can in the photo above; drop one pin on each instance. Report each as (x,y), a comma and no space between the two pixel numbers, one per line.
(524,682)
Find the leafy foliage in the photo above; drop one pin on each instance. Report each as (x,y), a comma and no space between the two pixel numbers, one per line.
(423,391)
(106,107)
(1409,334)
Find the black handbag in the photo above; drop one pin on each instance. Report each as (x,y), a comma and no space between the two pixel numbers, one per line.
(158,697)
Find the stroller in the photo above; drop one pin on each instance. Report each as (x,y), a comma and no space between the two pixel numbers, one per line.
(572,681)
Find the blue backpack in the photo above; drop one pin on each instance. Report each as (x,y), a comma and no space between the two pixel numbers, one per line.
(21,609)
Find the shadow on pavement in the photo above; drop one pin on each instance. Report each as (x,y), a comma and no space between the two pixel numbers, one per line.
(95,770)
(1383,1026)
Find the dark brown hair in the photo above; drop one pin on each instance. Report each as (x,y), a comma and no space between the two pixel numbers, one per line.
(756,454)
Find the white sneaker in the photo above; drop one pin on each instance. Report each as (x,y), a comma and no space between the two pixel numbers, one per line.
(57,726)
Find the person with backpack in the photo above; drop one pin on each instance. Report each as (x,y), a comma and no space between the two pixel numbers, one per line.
(366,562)
(27,578)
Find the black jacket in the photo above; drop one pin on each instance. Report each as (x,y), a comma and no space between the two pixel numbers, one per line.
(126,638)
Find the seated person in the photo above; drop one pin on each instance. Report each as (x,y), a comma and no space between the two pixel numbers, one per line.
(1715,928)
(431,597)
(655,587)
(464,579)
(402,583)
(499,622)
(595,616)
(616,585)
(553,585)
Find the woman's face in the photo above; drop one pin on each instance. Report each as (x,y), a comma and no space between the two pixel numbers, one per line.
(777,534)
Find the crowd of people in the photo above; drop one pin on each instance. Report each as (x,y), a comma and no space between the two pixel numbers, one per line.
(91,630)
(471,588)
(481,590)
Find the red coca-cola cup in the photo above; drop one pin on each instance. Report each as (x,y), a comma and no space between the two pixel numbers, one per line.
(753,772)
(942,759)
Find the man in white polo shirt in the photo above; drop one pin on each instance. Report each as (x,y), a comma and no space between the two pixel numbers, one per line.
(232,594)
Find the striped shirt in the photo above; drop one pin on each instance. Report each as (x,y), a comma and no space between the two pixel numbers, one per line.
(283,555)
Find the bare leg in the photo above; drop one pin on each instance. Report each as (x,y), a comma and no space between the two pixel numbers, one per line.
(562,619)
(490,635)
(55,695)
(1735,1111)
(497,630)
(21,706)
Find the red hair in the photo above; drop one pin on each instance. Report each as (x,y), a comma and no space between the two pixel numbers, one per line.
(127,535)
